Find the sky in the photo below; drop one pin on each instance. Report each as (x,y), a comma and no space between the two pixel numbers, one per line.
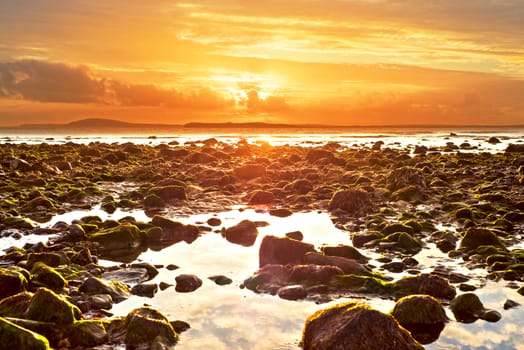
(338,62)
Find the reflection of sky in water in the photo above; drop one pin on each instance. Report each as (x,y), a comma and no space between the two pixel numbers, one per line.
(227,317)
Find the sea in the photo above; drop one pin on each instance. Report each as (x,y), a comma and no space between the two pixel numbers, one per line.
(229,317)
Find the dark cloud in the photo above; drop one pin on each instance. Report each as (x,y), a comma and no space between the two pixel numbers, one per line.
(41,81)
(255,103)
(49,82)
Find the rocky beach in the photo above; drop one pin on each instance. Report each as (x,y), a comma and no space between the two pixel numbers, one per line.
(380,244)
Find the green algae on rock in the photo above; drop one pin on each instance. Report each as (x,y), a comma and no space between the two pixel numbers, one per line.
(146,327)
(46,306)
(353,326)
(13,336)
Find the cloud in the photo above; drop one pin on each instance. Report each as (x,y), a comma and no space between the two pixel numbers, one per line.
(270,104)
(41,81)
(49,82)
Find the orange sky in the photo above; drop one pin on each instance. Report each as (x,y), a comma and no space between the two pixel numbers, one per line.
(351,62)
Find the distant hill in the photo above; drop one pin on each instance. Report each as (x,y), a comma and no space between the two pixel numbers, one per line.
(255,125)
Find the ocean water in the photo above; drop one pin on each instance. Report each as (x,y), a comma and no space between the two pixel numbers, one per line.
(228,317)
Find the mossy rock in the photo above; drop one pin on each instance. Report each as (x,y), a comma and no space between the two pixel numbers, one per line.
(124,237)
(353,326)
(432,285)
(476,237)
(16,222)
(397,227)
(146,325)
(153,201)
(13,337)
(88,333)
(49,258)
(12,282)
(46,276)
(46,306)
(415,225)
(169,193)
(362,284)
(356,202)
(467,308)
(118,290)
(418,309)
(403,241)
(15,305)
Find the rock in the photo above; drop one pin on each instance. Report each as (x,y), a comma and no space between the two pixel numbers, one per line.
(244,233)
(48,258)
(293,292)
(88,333)
(311,274)
(174,231)
(116,289)
(221,280)
(127,275)
(353,326)
(493,140)
(296,235)
(468,308)
(422,315)
(259,197)
(120,239)
(300,186)
(214,222)
(145,290)
(476,237)
(349,266)
(99,302)
(401,241)
(152,271)
(186,283)
(361,238)
(169,193)
(344,251)
(406,176)
(356,202)
(315,154)
(275,250)
(515,148)
(280,212)
(46,306)
(45,276)
(13,337)
(147,326)
(508,304)
(12,282)
(250,171)
(15,305)
(180,326)
(432,285)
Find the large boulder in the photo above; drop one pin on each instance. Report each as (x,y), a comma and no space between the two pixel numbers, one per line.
(46,306)
(244,233)
(15,305)
(353,326)
(475,237)
(433,285)
(356,202)
(13,337)
(88,333)
(148,328)
(423,315)
(277,250)
(122,238)
(46,276)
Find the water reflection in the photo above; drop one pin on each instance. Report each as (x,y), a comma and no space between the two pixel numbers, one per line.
(227,317)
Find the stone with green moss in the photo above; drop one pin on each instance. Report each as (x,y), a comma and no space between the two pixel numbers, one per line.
(124,237)
(15,305)
(47,306)
(13,336)
(146,326)
(118,290)
(418,309)
(476,237)
(46,276)
(12,282)
(88,333)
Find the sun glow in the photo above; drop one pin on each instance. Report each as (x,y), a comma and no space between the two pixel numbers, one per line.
(242,86)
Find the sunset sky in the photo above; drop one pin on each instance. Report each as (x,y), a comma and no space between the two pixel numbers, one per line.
(344,62)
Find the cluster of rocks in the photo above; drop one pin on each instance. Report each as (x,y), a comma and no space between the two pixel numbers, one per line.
(390,201)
